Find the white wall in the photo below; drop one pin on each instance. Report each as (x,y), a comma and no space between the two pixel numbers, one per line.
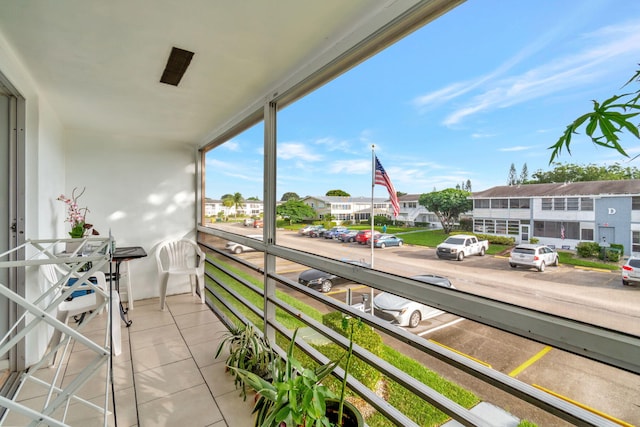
(44,171)
(142,190)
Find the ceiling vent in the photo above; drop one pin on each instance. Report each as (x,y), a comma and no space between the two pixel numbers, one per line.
(177,64)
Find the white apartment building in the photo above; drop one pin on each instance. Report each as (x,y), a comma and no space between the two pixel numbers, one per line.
(562,214)
(342,208)
(412,212)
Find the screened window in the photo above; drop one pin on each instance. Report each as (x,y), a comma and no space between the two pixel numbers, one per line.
(558,204)
(478,225)
(513,227)
(547,204)
(481,203)
(501,226)
(555,229)
(573,203)
(635,203)
(586,234)
(586,204)
(499,203)
(519,203)
(635,241)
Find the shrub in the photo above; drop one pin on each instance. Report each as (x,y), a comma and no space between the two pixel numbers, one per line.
(588,249)
(382,220)
(617,246)
(534,240)
(612,255)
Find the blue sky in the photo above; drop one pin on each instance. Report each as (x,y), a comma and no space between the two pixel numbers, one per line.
(491,83)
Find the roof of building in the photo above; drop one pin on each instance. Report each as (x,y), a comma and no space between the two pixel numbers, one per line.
(587,188)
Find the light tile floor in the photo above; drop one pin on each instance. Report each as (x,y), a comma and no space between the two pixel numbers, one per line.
(167,374)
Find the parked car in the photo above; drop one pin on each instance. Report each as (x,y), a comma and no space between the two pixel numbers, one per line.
(322,281)
(258,223)
(383,240)
(631,271)
(404,312)
(317,232)
(248,222)
(334,232)
(363,236)
(304,231)
(238,248)
(461,245)
(530,255)
(348,236)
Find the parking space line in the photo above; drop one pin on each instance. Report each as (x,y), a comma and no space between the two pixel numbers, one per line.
(530,362)
(461,353)
(583,406)
(446,325)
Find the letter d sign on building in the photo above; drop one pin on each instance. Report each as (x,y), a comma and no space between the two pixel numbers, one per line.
(612,211)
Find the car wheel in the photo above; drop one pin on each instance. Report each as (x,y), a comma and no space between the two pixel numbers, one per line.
(542,266)
(556,262)
(382,246)
(438,255)
(512,265)
(461,256)
(625,283)
(351,240)
(399,244)
(414,319)
(481,252)
(237,250)
(326,286)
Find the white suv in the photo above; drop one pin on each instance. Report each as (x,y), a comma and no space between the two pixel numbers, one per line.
(529,255)
(631,271)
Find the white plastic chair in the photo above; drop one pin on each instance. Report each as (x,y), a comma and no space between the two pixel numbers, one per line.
(78,305)
(180,257)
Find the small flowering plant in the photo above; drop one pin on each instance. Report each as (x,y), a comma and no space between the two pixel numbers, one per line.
(76,215)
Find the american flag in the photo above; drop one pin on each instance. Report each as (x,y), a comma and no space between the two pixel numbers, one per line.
(562,232)
(381,178)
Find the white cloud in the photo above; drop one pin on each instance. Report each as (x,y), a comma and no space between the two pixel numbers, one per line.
(294,150)
(231,145)
(497,90)
(516,148)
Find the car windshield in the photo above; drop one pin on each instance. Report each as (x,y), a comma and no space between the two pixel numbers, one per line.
(524,251)
(455,241)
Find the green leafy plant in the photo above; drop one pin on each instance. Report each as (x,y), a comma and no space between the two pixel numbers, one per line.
(607,120)
(295,396)
(248,351)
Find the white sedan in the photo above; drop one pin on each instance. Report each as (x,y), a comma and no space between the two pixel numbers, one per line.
(403,312)
(237,248)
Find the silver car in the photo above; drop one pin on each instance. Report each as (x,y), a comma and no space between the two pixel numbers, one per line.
(631,272)
(530,255)
(403,312)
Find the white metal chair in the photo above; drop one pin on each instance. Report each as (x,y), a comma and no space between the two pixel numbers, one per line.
(180,257)
(79,305)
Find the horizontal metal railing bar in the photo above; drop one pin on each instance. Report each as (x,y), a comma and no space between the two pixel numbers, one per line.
(398,285)
(374,400)
(551,404)
(444,404)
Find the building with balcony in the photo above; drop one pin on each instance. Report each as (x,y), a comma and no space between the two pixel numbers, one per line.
(412,212)
(352,209)
(126,100)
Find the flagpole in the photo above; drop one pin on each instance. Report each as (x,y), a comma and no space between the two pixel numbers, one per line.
(373,184)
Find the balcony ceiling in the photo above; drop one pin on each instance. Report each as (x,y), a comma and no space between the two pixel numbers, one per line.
(98,63)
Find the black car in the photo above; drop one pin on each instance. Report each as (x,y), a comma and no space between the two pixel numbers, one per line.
(322,281)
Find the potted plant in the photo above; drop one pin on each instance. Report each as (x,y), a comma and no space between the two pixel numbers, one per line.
(297,397)
(248,351)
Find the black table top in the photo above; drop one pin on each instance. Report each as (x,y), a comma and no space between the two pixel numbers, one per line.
(128,252)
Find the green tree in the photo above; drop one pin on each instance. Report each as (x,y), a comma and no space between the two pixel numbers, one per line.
(524,174)
(337,193)
(447,205)
(468,186)
(512,180)
(253,198)
(234,200)
(295,211)
(290,195)
(604,124)
(576,173)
